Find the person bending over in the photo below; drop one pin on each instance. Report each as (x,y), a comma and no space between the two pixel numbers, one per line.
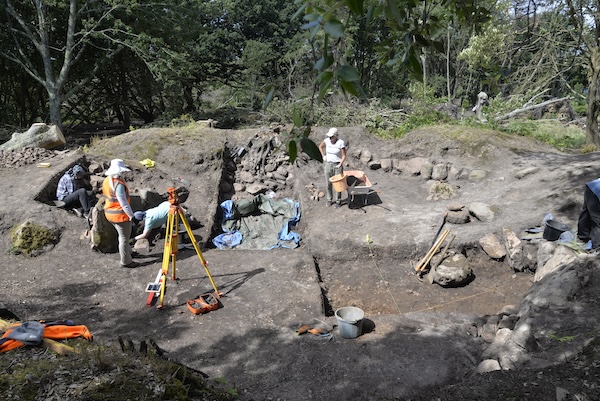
(153,218)
(588,226)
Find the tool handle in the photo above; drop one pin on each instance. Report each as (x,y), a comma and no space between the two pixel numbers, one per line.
(421,265)
(437,234)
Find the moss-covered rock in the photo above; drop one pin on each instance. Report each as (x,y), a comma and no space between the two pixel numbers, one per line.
(32,238)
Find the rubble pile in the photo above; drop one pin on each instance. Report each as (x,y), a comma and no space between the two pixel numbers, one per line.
(261,166)
(24,156)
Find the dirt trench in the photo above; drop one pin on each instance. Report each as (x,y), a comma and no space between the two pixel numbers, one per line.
(379,279)
(382,280)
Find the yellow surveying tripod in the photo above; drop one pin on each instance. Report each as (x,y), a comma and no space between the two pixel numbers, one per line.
(171,248)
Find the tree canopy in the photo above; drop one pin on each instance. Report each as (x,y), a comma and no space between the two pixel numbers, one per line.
(73,62)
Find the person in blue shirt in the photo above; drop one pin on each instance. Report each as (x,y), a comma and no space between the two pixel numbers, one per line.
(153,218)
(588,226)
(72,190)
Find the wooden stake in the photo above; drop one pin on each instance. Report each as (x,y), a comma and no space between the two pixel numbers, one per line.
(436,246)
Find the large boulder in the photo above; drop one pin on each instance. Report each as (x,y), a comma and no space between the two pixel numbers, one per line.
(102,234)
(39,135)
(453,271)
(33,238)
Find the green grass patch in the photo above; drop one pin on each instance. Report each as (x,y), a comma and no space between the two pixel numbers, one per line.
(551,132)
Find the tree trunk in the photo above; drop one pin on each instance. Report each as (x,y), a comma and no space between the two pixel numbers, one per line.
(188,99)
(593,99)
(448,64)
(54,105)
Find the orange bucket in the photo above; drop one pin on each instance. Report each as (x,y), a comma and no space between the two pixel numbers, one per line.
(338,182)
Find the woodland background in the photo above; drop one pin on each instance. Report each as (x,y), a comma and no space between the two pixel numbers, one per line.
(379,64)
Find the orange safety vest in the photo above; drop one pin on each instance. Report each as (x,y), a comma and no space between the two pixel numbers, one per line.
(112,208)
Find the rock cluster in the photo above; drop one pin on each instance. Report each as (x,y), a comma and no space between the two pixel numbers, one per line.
(262,165)
(24,156)
(514,334)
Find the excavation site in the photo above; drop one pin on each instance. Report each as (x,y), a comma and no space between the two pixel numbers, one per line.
(438,266)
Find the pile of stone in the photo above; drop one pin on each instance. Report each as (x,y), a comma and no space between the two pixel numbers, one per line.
(315,193)
(261,166)
(523,335)
(535,255)
(24,156)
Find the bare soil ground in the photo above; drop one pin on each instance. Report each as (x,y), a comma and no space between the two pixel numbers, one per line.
(415,335)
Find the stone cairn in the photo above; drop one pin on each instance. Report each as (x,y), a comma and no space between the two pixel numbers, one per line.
(261,167)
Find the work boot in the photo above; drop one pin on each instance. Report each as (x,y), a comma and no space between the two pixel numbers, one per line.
(337,205)
(131,265)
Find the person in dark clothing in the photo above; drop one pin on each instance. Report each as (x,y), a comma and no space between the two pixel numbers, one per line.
(72,190)
(588,227)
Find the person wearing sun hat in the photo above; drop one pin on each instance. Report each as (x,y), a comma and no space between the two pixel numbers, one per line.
(117,208)
(333,151)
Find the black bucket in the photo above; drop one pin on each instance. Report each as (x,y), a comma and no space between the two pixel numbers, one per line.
(554,229)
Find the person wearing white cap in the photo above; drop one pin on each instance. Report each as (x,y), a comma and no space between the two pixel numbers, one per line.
(333,151)
(117,208)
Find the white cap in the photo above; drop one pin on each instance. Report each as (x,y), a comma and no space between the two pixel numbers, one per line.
(117,166)
(331,132)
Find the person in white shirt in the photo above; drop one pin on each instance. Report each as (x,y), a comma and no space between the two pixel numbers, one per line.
(333,150)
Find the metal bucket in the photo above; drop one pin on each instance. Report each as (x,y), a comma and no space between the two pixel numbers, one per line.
(350,321)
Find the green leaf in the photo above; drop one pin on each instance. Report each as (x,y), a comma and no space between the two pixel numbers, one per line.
(300,11)
(414,64)
(314,32)
(292,150)
(334,28)
(356,6)
(297,118)
(420,39)
(269,98)
(310,24)
(350,87)
(348,73)
(324,89)
(320,64)
(324,77)
(323,63)
(394,10)
(438,45)
(311,149)
(371,13)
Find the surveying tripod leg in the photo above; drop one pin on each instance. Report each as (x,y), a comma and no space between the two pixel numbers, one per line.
(198,252)
(174,245)
(166,260)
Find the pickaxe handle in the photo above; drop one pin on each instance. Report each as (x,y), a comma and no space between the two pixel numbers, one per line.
(440,229)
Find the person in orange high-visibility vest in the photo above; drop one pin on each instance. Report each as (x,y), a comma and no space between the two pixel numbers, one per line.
(117,208)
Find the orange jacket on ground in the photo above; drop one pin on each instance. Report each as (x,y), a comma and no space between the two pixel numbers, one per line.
(60,330)
(112,208)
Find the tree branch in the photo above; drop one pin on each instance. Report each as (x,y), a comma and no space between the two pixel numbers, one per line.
(529,108)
